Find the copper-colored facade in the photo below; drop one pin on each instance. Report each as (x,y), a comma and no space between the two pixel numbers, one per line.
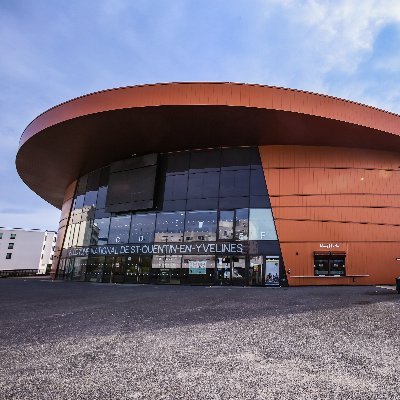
(348,198)
(332,167)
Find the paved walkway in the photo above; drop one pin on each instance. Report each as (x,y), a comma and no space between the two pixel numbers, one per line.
(66,340)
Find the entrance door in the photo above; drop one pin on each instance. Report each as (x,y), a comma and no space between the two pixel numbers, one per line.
(118,270)
(231,270)
(255,271)
(132,270)
(271,277)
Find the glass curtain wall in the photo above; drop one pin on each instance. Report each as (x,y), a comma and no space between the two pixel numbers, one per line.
(213,195)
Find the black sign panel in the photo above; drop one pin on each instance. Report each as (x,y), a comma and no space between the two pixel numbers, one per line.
(158,248)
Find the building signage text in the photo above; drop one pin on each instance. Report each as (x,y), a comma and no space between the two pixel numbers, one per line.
(173,248)
(329,245)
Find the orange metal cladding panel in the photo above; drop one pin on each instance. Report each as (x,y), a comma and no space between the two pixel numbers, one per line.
(339,196)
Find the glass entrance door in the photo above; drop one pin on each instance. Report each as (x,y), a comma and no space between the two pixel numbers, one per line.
(118,269)
(255,271)
(231,270)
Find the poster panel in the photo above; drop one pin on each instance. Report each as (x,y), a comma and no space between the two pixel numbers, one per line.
(271,271)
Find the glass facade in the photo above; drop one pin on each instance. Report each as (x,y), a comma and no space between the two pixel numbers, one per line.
(207,220)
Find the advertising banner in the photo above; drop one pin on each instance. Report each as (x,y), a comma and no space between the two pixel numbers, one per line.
(272,272)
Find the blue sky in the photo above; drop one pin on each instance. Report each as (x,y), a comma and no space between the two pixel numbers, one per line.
(52,51)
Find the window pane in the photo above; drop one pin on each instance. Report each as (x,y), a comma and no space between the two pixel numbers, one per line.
(255,158)
(79,270)
(166,269)
(198,269)
(92,187)
(80,193)
(242,224)
(203,185)
(235,158)
(87,234)
(262,224)
(202,204)
(234,202)
(142,228)
(175,187)
(174,205)
(201,225)
(321,264)
(259,202)
(75,235)
(101,213)
(78,202)
(169,227)
(101,197)
(337,265)
(90,199)
(119,229)
(258,186)
(67,237)
(177,162)
(83,226)
(234,183)
(225,225)
(100,231)
(205,159)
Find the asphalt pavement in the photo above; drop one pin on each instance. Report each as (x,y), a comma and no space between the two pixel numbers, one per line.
(73,340)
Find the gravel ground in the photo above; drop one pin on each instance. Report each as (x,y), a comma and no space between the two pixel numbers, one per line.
(66,340)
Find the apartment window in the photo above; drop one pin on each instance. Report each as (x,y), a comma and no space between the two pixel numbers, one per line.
(8,256)
(13,235)
(10,246)
(1,235)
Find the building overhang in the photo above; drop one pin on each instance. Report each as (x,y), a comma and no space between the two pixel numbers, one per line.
(86,133)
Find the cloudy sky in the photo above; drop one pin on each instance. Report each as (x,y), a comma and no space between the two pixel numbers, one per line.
(52,51)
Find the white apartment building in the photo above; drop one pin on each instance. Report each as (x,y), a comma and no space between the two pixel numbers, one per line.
(26,251)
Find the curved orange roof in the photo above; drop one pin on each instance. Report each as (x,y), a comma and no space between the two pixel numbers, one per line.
(88,132)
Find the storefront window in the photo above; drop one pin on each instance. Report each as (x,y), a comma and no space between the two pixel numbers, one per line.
(142,228)
(198,269)
(94,269)
(79,269)
(119,229)
(166,269)
(169,227)
(201,226)
(262,225)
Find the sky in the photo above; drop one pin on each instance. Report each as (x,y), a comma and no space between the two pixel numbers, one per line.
(52,51)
